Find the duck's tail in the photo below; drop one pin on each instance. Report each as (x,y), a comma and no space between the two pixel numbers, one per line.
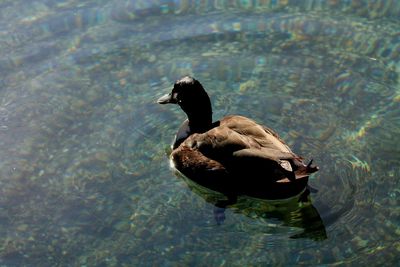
(311,168)
(305,170)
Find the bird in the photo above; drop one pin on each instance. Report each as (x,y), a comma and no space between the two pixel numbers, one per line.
(234,155)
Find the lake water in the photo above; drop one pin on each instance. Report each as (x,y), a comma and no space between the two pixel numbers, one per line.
(84,172)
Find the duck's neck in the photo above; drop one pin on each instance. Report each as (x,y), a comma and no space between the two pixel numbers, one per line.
(199,112)
(200,123)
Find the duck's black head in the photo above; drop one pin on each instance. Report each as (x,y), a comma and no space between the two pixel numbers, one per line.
(190,95)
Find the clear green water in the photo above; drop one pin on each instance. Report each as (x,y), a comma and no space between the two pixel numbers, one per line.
(85,178)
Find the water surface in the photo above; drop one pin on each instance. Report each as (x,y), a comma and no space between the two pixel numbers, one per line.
(85,178)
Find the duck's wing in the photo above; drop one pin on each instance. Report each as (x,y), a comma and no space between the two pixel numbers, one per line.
(258,136)
(243,156)
(272,147)
(192,159)
(248,148)
(268,154)
(275,139)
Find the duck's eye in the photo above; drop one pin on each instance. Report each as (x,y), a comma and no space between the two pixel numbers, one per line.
(175,96)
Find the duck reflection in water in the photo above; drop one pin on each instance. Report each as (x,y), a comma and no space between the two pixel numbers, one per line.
(296,211)
(235,155)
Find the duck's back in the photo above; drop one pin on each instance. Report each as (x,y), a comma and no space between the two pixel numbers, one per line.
(257,136)
(237,146)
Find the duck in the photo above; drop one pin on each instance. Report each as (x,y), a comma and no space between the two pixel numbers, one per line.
(234,155)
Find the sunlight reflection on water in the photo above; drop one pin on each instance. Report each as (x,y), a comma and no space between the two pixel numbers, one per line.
(83,146)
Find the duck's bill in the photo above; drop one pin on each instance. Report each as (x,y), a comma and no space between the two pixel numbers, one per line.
(167,99)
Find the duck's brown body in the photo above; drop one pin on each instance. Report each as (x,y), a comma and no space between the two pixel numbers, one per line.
(234,155)
(241,156)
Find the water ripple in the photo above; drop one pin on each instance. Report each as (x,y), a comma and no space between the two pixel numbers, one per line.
(84,171)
